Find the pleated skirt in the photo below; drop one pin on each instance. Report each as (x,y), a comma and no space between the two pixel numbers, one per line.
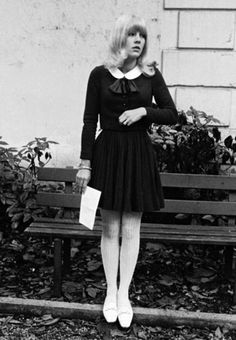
(124,169)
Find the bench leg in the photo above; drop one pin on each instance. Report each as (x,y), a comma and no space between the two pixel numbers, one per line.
(229,265)
(234,290)
(66,255)
(57,267)
(228,260)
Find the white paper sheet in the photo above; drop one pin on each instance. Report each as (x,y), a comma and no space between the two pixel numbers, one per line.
(88,207)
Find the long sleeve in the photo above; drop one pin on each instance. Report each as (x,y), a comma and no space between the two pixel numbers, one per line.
(166,112)
(92,109)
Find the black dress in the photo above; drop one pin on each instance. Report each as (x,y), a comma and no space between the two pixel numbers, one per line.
(124,166)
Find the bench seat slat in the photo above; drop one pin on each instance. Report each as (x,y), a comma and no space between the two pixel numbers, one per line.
(57,220)
(193,240)
(58,226)
(148,227)
(193,227)
(162,237)
(74,223)
(64,233)
(180,230)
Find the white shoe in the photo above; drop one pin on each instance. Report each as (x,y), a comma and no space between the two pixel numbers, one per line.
(110,308)
(125,314)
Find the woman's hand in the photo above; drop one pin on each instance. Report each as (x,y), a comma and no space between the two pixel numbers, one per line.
(131,116)
(83,177)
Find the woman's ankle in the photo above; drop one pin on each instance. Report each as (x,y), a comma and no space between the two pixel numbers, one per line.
(111,291)
(123,295)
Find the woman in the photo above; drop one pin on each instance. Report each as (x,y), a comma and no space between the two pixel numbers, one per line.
(120,162)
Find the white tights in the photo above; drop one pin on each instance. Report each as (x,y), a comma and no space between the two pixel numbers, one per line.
(115,257)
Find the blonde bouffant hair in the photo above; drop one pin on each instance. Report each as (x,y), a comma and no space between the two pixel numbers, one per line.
(124,25)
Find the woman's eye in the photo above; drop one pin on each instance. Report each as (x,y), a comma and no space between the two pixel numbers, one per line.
(133,34)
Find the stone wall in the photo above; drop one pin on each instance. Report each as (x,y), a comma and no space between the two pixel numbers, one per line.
(199,57)
(48,48)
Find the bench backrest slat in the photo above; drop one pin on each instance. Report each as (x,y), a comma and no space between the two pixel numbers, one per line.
(200,207)
(194,207)
(57,174)
(198,181)
(167,179)
(171,206)
(58,200)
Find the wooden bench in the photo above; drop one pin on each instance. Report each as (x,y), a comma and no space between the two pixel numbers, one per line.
(62,230)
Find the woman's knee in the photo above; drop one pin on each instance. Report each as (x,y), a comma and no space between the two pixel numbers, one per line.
(111,224)
(111,232)
(131,225)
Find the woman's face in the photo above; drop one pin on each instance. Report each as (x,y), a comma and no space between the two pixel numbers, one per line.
(135,44)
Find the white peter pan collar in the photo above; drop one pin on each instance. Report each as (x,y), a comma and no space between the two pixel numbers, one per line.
(132,74)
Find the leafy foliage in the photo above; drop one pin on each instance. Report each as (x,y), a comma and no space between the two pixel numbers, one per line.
(193,145)
(188,277)
(18,179)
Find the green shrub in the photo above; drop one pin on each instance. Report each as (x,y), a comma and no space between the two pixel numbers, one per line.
(193,145)
(18,179)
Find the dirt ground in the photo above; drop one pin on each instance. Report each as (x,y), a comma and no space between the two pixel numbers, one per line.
(176,277)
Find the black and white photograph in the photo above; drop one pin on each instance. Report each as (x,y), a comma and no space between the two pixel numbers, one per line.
(117,169)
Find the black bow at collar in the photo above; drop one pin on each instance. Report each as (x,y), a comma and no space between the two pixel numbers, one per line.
(123,86)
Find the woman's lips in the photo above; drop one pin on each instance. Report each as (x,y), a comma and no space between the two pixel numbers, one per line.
(136,48)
